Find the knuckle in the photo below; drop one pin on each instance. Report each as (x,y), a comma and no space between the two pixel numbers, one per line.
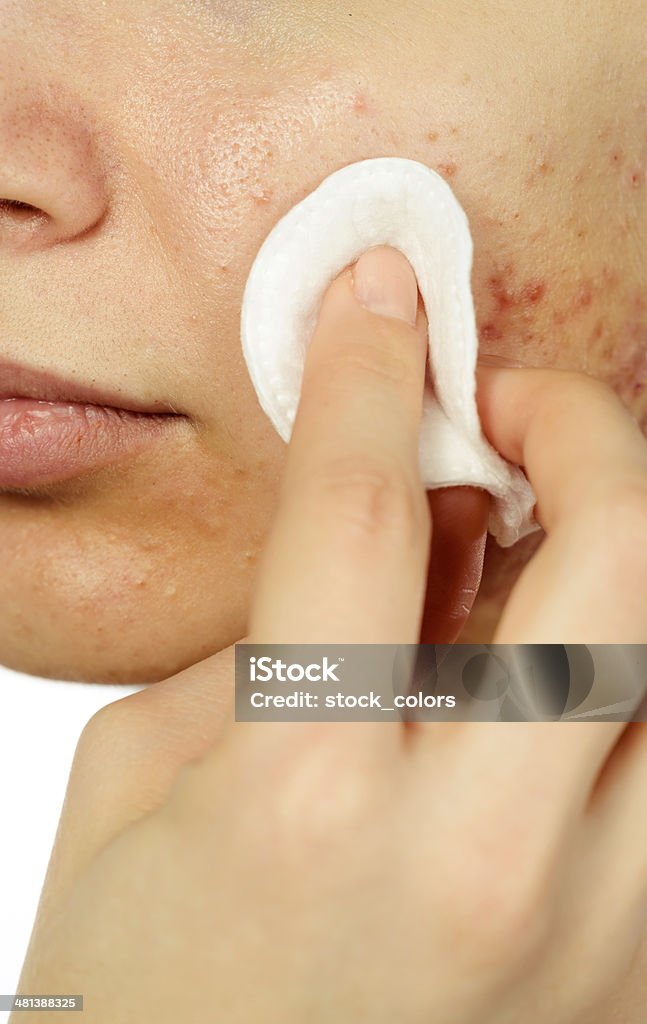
(121,735)
(99,735)
(319,795)
(373,497)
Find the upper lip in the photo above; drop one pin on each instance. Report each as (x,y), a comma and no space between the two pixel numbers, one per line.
(18,381)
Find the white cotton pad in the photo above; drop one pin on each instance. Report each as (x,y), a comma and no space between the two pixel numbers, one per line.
(406,205)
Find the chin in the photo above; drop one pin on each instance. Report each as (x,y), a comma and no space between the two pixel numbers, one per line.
(97,654)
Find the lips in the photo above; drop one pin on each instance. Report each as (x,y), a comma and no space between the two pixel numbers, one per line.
(52,430)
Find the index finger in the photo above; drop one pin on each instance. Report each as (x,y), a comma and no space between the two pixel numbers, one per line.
(347,556)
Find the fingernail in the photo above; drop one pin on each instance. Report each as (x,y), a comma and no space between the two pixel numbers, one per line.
(487,359)
(386,284)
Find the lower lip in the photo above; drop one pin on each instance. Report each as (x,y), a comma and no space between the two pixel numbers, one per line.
(48,442)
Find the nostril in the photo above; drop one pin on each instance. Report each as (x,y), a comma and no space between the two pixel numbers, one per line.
(22,209)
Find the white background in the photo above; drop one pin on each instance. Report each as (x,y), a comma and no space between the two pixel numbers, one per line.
(40,723)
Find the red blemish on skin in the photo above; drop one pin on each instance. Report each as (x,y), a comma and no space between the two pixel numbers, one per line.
(617,157)
(263,197)
(507,296)
(360,103)
(583,296)
(490,332)
(448,167)
(501,293)
(637,178)
(533,292)
(629,374)
(512,299)
(597,330)
(542,168)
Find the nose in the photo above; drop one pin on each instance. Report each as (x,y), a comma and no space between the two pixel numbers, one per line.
(52,185)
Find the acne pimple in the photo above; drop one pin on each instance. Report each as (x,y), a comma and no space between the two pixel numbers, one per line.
(597,331)
(582,298)
(490,332)
(512,298)
(360,103)
(637,178)
(542,168)
(629,378)
(533,292)
(624,353)
(583,295)
(432,136)
(263,196)
(448,167)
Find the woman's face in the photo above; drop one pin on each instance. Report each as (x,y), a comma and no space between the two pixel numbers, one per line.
(161,140)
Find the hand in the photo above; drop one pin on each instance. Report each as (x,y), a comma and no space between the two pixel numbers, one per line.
(208,870)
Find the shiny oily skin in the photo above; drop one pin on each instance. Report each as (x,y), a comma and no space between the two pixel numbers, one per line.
(156,191)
